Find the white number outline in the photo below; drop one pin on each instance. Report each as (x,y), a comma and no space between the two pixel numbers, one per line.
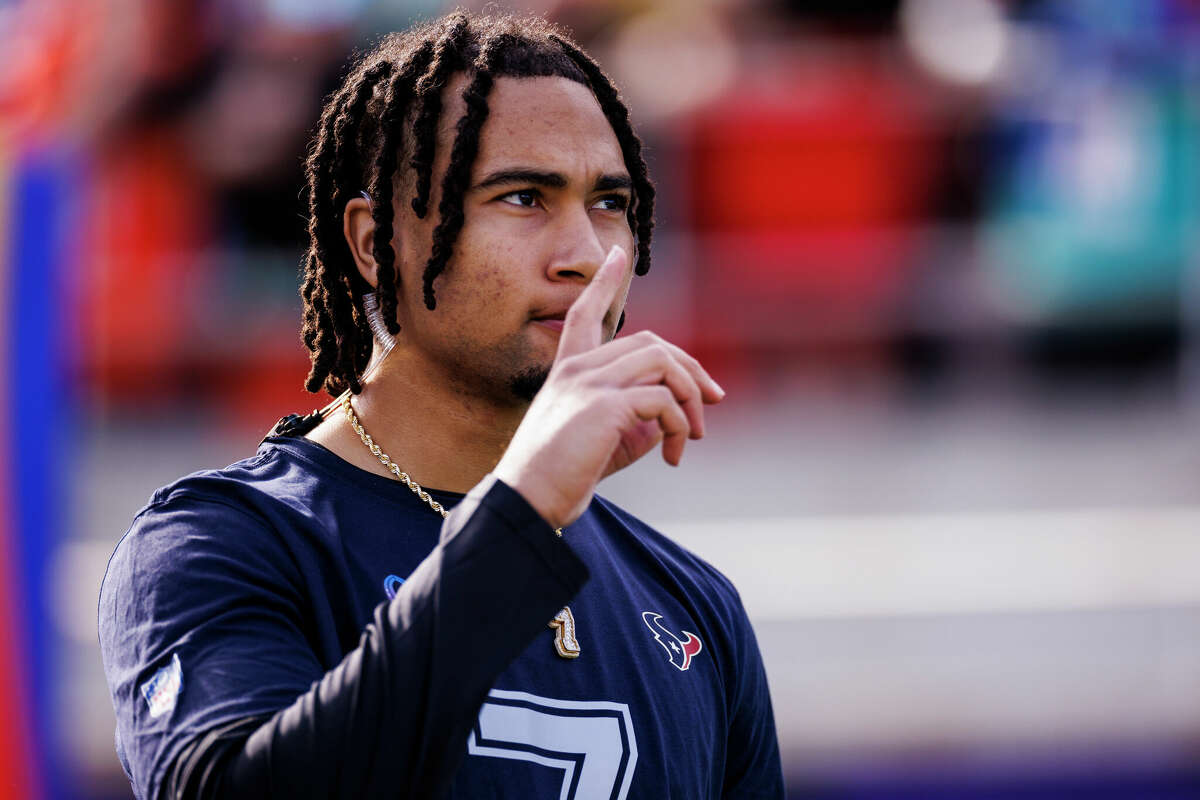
(571,760)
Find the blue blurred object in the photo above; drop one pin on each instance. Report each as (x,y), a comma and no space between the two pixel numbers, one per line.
(1093,201)
(42,436)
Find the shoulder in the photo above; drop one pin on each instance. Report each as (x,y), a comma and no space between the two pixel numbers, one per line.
(279,474)
(220,523)
(272,490)
(681,563)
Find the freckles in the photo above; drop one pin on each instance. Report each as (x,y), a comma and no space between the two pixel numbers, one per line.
(497,284)
(482,275)
(489,285)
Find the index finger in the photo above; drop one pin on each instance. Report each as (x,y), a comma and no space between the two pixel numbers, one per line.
(582,329)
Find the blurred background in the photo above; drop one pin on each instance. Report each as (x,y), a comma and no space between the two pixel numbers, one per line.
(942,253)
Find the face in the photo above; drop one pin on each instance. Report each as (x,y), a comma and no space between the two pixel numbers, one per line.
(548,198)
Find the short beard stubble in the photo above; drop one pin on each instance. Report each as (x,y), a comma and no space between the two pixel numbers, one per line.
(526,383)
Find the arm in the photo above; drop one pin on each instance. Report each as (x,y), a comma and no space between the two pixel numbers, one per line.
(752,766)
(392,718)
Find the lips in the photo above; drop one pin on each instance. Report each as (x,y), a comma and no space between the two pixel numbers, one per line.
(553,321)
(552,324)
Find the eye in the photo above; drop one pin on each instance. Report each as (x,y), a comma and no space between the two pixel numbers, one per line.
(612,202)
(525,198)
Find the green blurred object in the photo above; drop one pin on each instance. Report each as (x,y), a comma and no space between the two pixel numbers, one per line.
(1093,218)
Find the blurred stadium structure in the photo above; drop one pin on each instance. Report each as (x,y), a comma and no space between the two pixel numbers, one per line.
(943,253)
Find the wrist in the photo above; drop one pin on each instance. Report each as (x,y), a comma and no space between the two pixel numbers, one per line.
(536,491)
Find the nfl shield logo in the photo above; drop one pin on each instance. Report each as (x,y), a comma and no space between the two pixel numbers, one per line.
(162,690)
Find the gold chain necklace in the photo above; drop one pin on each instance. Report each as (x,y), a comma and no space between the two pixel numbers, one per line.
(565,643)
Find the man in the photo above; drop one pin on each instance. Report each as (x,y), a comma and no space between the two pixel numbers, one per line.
(302,624)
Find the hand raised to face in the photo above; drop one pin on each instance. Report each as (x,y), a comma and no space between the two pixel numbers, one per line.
(604,406)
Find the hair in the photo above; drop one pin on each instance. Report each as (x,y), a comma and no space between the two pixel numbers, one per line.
(385,117)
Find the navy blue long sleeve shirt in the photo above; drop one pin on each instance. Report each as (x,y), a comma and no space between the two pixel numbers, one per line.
(292,626)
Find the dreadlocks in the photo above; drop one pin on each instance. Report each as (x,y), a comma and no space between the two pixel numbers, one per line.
(386,114)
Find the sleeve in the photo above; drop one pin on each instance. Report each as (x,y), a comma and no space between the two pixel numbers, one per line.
(752,765)
(218,693)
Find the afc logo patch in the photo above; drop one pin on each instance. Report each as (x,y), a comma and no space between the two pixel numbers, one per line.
(679,651)
(162,690)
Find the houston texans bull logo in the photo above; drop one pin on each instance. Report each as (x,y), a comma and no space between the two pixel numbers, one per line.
(678,650)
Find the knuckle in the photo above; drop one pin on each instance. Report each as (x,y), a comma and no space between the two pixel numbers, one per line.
(658,340)
(660,352)
(648,339)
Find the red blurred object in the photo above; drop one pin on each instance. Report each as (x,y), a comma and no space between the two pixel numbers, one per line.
(18,779)
(146,218)
(847,153)
(255,392)
(805,196)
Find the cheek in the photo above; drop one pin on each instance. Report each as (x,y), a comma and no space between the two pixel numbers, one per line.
(477,282)
(488,287)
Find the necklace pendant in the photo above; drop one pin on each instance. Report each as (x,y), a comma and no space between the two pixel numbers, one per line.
(565,643)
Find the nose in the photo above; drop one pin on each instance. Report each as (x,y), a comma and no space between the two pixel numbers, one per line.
(578,251)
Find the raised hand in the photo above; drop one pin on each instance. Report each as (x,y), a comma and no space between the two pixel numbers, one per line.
(603,406)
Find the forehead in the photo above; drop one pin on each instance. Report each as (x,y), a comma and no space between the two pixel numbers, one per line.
(551,123)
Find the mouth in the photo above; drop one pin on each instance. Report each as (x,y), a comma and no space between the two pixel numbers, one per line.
(552,321)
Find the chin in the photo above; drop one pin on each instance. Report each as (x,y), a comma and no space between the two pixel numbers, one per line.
(528,382)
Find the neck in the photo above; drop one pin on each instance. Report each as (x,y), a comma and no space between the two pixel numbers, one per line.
(443,437)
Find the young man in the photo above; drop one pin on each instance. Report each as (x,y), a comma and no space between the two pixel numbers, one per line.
(302,624)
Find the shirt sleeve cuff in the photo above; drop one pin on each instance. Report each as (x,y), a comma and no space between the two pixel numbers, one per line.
(507,503)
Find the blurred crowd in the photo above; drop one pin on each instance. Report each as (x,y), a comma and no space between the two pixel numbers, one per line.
(914,187)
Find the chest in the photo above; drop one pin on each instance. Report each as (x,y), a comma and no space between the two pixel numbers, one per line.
(641,712)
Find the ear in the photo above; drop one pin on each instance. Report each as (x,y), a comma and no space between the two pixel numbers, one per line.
(359,229)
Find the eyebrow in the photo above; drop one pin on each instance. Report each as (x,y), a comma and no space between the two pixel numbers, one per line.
(605,182)
(550,180)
